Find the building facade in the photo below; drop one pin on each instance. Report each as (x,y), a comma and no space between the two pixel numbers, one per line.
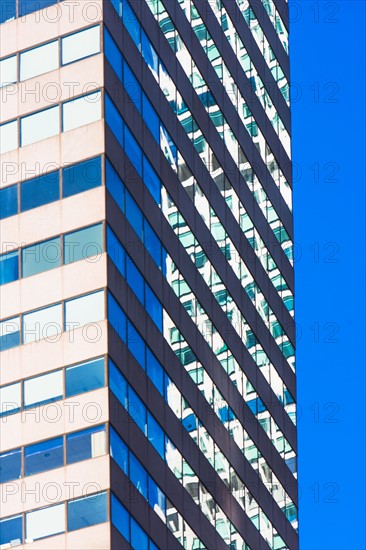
(147,376)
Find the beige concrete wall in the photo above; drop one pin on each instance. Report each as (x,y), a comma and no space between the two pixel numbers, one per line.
(97,537)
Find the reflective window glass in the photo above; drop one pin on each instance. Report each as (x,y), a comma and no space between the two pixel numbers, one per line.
(137,410)
(8,137)
(83,244)
(83,310)
(120,517)
(39,60)
(39,191)
(134,214)
(116,251)
(7,13)
(9,267)
(115,185)
(86,511)
(41,257)
(139,538)
(156,499)
(151,118)
(9,333)
(8,201)
(118,384)
(10,465)
(138,476)
(155,371)
(119,451)
(117,318)
(156,435)
(113,54)
(113,119)
(81,177)
(10,399)
(43,389)
(43,323)
(80,45)
(136,345)
(150,55)
(85,444)
(39,126)
(81,111)
(154,308)
(132,86)
(135,280)
(45,522)
(152,244)
(28,6)
(152,181)
(131,23)
(11,531)
(84,377)
(43,456)
(8,71)
(133,151)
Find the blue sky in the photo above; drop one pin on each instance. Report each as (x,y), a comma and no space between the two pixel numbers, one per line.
(327,71)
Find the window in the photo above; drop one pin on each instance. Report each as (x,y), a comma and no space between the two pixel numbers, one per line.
(39,60)
(152,181)
(9,333)
(134,215)
(133,151)
(116,317)
(138,476)
(11,531)
(157,499)
(8,201)
(113,119)
(86,444)
(154,308)
(115,186)
(43,389)
(83,310)
(43,456)
(81,177)
(28,6)
(45,522)
(132,86)
(151,118)
(135,280)
(116,251)
(83,244)
(118,384)
(43,323)
(80,45)
(41,257)
(131,23)
(118,450)
(113,54)
(8,71)
(156,435)
(85,377)
(38,126)
(10,465)
(39,191)
(155,371)
(81,111)
(87,511)
(10,399)
(7,13)
(9,267)
(139,538)
(120,517)
(8,137)
(150,56)
(137,410)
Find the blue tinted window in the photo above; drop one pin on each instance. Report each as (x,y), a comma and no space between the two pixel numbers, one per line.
(39,191)
(156,497)
(81,177)
(134,214)
(133,151)
(27,6)
(43,456)
(11,529)
(85,377)
(120,518)
(154,308)
(132,86)
(7,10)
(151,118)
(8,200)
(85,444)
(149,54)
(9,334)
(113,54)
(87,511)
(152,181)
(41,257)
(155,371)
(138,476)
(119,451)
(113,119)
(116,251)
(9,267)
(156,435)
(131,23)
(137,409)
(152,244)
(135,280)
(118,384)
(136,345)
(138,536)
(83,244)
(11,465)
(117,318)
(115,186)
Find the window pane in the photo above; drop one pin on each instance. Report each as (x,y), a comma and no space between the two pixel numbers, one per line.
(116,251)
(39,60)
(119,451)
(155,371)
(138,476)
(41,257)
(81,44)
(9,333)
(133,150)
(8,201)
(44,456)
(83,244)
(39,126)
(154,308)
(137,410)
(10,399)
(152,181)
(151,118)
(8,71)
(8,137)
(113,54)
(11,465)
(113,119)
(45,522)
(131,23)
(87,511)
(134,214)
(156,499)
(43,389)
(81,177)
(39,191)
(85,377)
(9,267)
(120,517)
(115,185)
(135,280)
(81,111)
(156,435)
(132,86)
(43,323)
(87,309)
(28,6)
(117,318)
(11,531)
(139,538)
(118,384)
(7,10)
(85,444)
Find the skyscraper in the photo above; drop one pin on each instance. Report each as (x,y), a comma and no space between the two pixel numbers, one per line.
(147,366)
